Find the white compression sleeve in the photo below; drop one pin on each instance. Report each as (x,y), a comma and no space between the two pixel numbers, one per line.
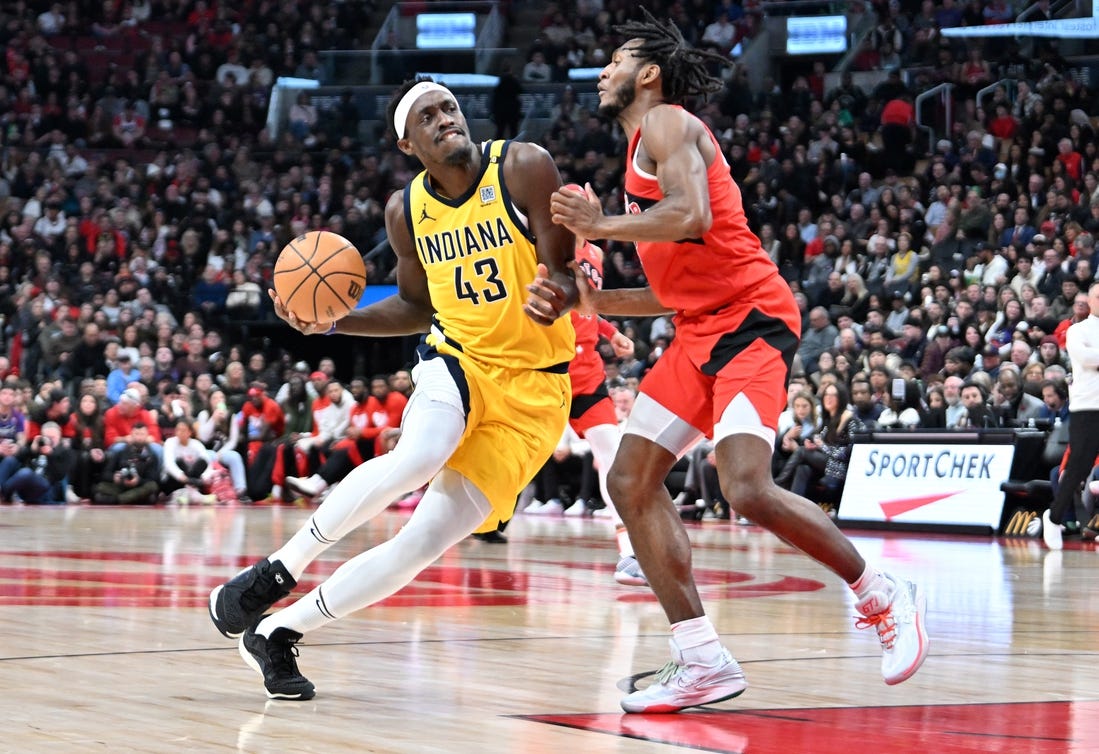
(450,510)
(604,439)
(430,432)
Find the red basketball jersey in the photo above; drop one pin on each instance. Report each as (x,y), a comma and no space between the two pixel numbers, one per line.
(586,368)
(699,275)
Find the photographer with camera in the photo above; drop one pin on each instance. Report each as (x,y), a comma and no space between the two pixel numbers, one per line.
(45,463)
(132,474)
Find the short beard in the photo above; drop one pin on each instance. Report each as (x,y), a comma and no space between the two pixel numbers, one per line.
(624,96)
(460,156)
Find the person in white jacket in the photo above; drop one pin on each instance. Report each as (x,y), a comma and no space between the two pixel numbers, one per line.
(186,469)
(219,431)
(1082,344)
(331,416)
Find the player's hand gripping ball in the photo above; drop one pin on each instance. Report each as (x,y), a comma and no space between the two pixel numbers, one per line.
(319,277)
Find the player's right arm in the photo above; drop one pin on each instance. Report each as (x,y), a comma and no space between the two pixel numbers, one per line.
(407,313)
(678,148)
(594,299)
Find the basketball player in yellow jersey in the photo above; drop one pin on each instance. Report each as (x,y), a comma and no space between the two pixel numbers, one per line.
(475,245)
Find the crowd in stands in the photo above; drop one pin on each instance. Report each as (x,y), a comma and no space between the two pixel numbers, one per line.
(936,284)
(143,202)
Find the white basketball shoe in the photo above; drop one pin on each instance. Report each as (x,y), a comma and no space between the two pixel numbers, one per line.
(899,621)
(680,685)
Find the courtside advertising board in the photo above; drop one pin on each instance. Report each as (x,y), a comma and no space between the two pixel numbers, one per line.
(926,484)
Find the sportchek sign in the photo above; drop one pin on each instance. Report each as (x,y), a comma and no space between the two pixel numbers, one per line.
(926,484)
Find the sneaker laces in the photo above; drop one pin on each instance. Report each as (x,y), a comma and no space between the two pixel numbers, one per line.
(667,672)
(884,623)
(282,654)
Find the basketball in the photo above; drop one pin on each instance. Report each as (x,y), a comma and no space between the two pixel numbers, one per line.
(319,276)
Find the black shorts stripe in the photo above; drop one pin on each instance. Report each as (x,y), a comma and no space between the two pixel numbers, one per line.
(756,325)
(562,368)
(427,352)
(446,338)
(581,403)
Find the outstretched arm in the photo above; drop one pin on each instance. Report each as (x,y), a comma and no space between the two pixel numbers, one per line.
(616,302)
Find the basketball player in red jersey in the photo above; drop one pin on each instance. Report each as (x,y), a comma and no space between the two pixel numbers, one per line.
(737,329)
(592,415)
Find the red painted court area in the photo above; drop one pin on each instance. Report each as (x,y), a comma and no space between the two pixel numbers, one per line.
(1024,728)
(62,579)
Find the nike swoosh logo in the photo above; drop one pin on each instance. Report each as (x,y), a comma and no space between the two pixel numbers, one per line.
(900,506)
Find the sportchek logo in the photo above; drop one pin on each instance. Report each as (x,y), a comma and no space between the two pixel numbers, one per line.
(943,464)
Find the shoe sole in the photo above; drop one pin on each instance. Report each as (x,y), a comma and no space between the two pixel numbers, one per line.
(300,489)
(664,709)
(253,663)
(925,643)
(627,580)
(219,624)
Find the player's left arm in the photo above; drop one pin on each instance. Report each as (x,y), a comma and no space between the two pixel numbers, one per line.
(532,177)
(407,312)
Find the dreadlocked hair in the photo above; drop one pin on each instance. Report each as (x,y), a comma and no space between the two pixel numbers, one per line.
(683,70)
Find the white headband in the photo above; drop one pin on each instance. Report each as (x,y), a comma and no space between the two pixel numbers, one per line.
(400,115)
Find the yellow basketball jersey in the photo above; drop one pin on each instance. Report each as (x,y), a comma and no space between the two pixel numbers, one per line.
(479,256)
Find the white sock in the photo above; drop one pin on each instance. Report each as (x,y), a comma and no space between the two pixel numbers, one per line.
(430,432)
(625,546)
(873,581)
(451,509)
(697,640)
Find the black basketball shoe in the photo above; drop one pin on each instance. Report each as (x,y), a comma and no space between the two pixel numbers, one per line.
(274,658)
(239,602)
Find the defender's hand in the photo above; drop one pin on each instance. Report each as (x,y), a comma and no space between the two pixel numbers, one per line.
(547,300)
(588,294)
(579,213)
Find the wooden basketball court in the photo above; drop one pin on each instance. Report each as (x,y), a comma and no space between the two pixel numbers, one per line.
(525,647)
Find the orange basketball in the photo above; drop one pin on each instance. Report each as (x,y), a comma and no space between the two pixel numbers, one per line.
(320,276)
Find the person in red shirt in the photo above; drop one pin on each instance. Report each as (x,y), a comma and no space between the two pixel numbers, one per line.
(724,374)
(374,426)
(1070,158)
(1080,312)
(897,120)
(56,408)
(119,421)
(1003,126)
(262,423)
(373,420)
(385,407)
